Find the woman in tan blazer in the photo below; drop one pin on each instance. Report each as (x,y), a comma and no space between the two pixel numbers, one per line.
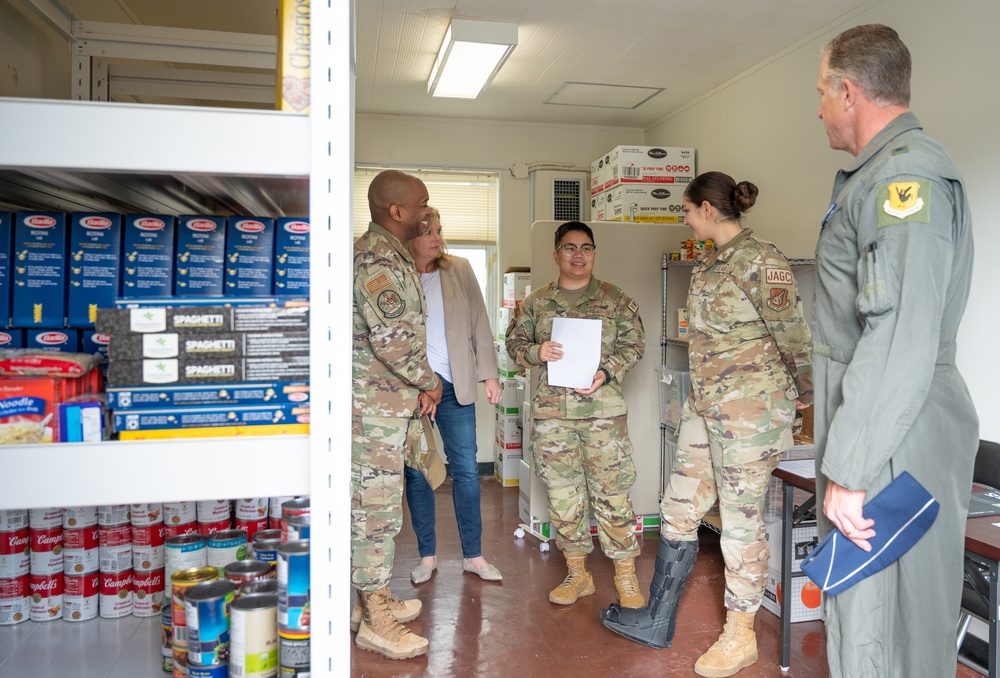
(460,350)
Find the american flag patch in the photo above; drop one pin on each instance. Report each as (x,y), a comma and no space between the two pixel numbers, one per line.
(633,307)
(377,284)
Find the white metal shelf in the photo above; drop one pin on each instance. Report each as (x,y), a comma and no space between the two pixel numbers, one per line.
(183,469)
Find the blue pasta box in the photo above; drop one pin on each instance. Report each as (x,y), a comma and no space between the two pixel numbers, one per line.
(249,256)
(209,417)
(94,342)
(291,257)
(201,248)
(63,341)
(39,285)
(11,338)
(95,256)
(6,232)
(148,255)
(198,395)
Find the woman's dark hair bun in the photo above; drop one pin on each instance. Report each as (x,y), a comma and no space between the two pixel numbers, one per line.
(744,196)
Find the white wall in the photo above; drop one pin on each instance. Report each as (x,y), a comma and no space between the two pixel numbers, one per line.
(762,127)
(34,62)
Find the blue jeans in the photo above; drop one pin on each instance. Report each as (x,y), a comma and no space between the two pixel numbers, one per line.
(458,432)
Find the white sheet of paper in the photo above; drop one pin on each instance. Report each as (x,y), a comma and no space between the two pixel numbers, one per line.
(581,346)
(800,467)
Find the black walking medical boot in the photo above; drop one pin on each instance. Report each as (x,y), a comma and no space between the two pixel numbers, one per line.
(653,625)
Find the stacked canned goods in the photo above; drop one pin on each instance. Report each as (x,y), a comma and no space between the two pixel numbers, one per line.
(148,559)
(181,581)
(250,515)
(45,582)
(114,538)
(226,546)
(183,552)
(265,546)
(207,609)
(214,515)
(179,517)
(293,608)
(81,563)
(242,572)
(274,511)
(295,520)
(14,567)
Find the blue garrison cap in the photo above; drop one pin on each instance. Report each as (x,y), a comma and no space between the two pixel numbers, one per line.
(903,512)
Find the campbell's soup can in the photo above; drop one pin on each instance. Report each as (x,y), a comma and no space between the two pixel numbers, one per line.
(79,516)
(149,593)
(274,508)
(13,519)
(180,582)
(241,572)
(45,518)
(46,550)
(81,596)
(297,528)
(292,507)
(265,546)
(251,509)
(114,535)
(180,512)
(148,547)
(253,638)
(214,511)
(225,547)
(251,527)
(46,592)
(293,584)
(146,514)
(211,528)
(112,514)
(14,601)
(176,530)
(116,558)
(80,550)
(184,552)
(116,594)
(206,614)
(14,553)
(293,652)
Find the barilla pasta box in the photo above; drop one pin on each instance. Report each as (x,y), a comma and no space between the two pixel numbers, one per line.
(95,257)
(249,256)
(6,234)
(148,255)
(62,341)
(197,395)
(94,342)
(291,257)
(208,417)
(11,338)
(26,410)
(39,283)
(201,249)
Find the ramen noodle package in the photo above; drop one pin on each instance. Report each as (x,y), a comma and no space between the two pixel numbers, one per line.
(26,408)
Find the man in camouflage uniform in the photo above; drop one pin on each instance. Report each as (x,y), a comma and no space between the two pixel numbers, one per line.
(749,352)
(392,382)
(580,437)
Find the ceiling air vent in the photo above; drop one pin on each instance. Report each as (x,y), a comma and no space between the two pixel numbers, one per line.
(566,199)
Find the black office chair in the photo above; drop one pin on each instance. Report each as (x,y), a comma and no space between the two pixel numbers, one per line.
(976,592)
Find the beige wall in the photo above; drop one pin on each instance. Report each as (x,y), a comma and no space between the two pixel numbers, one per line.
(34,62)
(762,127)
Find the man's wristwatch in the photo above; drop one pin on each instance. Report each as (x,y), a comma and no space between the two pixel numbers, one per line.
(607,375)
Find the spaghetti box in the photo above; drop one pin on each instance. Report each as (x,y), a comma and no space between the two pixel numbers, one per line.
(95,254)
(207,370)
(291,257)
(11,339)
(203,319)
(80,422)
(207,417)
(173,345)
(148,255)
(249,256)
(6,233)
(94,342)
(64,341)
(195,395)
(39,284)
(201,249)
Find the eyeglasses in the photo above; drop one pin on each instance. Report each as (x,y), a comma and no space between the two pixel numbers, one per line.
(569,249)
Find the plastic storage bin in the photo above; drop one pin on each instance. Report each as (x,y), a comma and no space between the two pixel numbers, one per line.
(675,385)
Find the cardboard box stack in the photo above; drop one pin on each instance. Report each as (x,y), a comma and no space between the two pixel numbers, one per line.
(806,597)
(507,450)
(641,183)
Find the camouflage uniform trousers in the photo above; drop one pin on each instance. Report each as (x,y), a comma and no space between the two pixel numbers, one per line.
(728,453)
(587,463)
(377,453)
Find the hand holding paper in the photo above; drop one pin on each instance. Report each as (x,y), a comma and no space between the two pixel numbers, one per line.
(581,342)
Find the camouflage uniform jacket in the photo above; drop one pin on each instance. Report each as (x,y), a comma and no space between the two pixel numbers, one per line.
(390,339)
(622,346)
(746,333)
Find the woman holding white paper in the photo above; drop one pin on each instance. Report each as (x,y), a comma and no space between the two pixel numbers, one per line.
(749,351)
(579,440)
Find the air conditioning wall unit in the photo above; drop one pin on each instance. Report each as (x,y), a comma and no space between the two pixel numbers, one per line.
(560,195)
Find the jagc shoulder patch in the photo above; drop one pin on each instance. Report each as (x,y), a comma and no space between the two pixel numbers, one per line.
(778,276)
(903,201)
(778,299)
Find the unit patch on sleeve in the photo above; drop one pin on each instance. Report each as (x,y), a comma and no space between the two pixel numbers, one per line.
(391,304)
(778,299)
(903,201)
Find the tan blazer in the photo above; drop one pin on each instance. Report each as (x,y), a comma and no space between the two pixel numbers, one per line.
(471,352)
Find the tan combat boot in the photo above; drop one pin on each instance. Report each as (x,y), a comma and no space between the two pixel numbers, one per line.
(627,585)
(402,610)
(381,632)
(577,583)
(735,649)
